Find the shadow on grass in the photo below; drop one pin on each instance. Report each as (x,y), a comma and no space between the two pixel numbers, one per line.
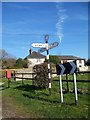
(3,88)
(48,100)
(28,88)
(6,85)
(32,88)
(40,98)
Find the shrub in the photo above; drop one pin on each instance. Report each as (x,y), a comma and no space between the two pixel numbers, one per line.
(41,78)
(2,73)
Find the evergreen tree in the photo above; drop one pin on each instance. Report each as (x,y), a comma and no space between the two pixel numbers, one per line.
(19,63)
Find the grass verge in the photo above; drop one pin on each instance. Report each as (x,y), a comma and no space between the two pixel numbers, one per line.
(34,103)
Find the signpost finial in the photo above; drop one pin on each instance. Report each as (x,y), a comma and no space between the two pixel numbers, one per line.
(46,38)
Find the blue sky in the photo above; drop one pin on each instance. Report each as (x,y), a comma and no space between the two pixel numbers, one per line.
(24,23)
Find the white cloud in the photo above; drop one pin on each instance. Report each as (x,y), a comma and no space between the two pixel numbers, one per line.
(61,18)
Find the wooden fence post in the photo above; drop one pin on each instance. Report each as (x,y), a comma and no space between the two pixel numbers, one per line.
(14,76)
(22,79)
(67,83)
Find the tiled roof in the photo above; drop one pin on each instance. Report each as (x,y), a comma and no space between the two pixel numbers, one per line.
(62,57)
(70,57)
(35,55)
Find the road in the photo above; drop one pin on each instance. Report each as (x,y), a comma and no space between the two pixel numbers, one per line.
(10,111)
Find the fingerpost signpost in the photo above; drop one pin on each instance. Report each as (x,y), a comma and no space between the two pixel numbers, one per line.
(45,47)
(49,74)
(52,45)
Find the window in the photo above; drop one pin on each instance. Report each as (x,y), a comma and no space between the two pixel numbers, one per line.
(64,61)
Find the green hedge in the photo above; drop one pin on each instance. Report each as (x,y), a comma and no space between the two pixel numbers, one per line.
(41,78)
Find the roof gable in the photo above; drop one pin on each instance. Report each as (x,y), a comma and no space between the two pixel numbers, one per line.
(70,57)
(35,55)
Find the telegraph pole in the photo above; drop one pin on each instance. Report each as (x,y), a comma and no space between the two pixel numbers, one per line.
(49,74)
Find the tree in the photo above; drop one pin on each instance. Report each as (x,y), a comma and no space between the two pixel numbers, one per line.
(25,63)
(6,59)
(3,54)
(54,59)
(19,63)
(87,62)
(10,62)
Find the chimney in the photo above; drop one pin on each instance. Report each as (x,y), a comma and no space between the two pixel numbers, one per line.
(30,51)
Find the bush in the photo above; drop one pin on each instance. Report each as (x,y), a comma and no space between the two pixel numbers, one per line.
(41,78)
(2,73)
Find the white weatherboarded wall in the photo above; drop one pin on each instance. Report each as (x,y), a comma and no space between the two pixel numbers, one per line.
(35,61)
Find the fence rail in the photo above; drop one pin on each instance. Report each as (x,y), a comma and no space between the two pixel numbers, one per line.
(23,78)
(33,76)
(78,72)
(72,80)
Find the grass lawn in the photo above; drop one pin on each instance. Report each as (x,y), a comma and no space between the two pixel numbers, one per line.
(35,103)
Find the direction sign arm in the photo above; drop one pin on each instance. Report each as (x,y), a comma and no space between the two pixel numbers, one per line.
(39,45)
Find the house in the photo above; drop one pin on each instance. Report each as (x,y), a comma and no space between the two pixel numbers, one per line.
(34,58)
(88,64)
(79,61)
